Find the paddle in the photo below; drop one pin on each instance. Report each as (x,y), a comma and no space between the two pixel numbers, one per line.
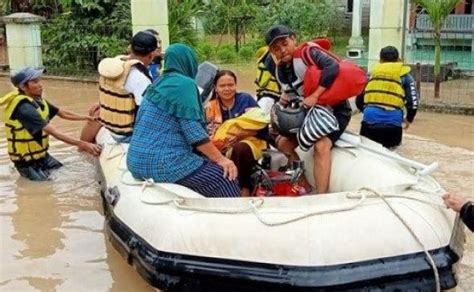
(355,141)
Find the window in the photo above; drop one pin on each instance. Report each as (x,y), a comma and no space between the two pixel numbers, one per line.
(468,7)
(350,6)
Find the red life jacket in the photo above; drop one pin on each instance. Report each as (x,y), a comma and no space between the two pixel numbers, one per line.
(349,82)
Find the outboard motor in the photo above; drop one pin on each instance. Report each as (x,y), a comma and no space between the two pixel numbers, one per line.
(205,80)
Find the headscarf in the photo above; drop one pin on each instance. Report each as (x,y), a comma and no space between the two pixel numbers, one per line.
(176,91)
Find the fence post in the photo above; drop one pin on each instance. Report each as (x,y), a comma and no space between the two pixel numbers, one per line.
(151,14)
(23,40)
(386,27)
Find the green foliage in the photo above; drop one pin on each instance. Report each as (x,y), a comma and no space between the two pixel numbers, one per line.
(222,16)
(308,19)
(227,54)
(246,53)
(78,39)
(182,13)
(205,51)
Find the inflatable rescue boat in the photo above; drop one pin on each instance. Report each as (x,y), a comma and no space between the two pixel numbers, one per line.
(382,226)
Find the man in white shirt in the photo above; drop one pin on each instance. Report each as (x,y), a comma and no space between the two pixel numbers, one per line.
(123,80)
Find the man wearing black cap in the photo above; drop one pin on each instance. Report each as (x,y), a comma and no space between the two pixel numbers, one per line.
(122,82)
(292,62)
(27,126)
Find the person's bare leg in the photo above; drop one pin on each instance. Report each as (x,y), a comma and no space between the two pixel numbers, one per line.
(322,164)
(245,192)
(287,146)
(89,131)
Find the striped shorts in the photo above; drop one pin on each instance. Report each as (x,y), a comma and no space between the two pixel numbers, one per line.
(319,122)
(209,181)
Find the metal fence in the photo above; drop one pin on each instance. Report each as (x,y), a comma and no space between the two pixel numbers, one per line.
(457,60)
(78,54)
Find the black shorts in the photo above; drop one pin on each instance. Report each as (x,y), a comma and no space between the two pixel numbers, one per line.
(343,113)
(387,135)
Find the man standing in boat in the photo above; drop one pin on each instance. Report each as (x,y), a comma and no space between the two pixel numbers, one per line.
(291,64)
(27,125)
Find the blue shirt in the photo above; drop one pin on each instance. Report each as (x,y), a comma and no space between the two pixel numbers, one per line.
(242,102)
(162,145)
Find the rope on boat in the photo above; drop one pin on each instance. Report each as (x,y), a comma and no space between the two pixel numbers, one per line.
(256,212)
(417,239)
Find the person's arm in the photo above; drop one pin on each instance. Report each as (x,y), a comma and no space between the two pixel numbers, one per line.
(211,152)
(329,70)
(411,98)
(83,145)
(72,116)
(467,215)
(137,83)
(197,137)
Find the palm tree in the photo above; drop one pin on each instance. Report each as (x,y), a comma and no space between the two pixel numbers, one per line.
(438,11)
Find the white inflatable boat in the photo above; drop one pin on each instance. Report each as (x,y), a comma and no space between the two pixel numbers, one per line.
(382,227)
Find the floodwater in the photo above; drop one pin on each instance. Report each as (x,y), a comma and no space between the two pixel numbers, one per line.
(52,234)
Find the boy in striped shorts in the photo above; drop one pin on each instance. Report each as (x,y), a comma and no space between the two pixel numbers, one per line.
(323,125)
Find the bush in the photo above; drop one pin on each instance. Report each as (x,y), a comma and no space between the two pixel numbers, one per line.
(205,51)
(227,54)
(247,53)
(75,41)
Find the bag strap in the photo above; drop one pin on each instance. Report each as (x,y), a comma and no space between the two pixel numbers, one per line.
(306,52)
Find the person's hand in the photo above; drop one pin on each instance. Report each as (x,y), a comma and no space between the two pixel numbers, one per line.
(91,118)
(406,124)
(283,99)
(454,201)
(230,170)
(90,148)
(310,101)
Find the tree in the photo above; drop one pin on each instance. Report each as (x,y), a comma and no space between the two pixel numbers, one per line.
(438,11)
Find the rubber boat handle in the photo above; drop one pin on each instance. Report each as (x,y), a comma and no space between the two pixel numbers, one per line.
(422,169)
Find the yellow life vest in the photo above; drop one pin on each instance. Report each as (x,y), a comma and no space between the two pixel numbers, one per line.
(20,143)
(384,88)
(254,119)
(267,85)
(117,105)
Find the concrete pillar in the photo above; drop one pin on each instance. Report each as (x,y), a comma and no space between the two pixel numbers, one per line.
(23,40)
(386,27)
(151,14)
(356,42)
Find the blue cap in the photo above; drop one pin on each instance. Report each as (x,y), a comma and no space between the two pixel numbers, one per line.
(24,75)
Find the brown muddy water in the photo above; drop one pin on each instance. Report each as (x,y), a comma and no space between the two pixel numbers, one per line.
(52,234)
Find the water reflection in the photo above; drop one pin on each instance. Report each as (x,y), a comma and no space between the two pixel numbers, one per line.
(37,219)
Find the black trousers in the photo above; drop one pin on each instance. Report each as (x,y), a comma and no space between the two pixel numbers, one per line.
(387,135)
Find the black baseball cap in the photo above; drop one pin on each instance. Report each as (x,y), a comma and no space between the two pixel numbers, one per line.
(277,31)
(143,42)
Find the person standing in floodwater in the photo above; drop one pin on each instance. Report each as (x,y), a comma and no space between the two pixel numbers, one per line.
(27,116)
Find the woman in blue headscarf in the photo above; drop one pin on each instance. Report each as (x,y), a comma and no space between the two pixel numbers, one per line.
(171,126)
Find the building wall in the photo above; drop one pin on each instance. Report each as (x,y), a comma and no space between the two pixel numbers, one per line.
(343,7)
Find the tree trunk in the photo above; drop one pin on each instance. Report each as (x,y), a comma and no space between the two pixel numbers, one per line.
(437,64)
